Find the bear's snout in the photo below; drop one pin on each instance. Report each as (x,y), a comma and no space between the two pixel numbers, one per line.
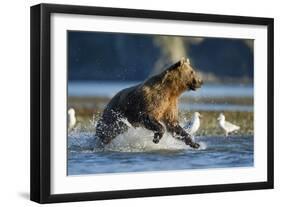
(200,82)
(196,83)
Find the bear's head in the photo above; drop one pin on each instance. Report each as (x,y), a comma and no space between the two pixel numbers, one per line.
(181,76)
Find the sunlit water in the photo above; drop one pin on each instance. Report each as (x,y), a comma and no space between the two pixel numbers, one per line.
(109,89)
(134,151)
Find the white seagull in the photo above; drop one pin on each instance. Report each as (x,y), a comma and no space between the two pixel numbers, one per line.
(193,125)
(226,126)
(71,119)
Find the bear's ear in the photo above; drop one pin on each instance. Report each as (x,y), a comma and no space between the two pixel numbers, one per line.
(184,60)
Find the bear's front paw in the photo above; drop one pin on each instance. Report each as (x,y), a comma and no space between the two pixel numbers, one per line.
(192,144)
(157,137)
(156,140)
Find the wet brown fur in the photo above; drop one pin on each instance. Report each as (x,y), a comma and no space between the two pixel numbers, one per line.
(150,103)
(162,91)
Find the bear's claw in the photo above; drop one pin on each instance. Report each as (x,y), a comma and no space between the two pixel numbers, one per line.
(157,137)
(192,144)
(156,140)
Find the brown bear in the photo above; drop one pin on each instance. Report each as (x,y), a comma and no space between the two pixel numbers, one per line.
(152,104)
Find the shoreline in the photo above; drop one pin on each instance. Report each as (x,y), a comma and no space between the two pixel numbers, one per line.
(88,107)
(208,123)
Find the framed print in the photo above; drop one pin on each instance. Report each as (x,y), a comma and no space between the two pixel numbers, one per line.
(133,103)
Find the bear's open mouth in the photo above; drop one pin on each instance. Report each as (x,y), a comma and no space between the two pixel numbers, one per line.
(196,83)
(194,87)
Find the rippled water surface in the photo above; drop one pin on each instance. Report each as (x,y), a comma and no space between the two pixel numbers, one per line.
(109,89)
(135,152)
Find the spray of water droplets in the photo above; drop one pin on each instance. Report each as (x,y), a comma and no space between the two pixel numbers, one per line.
(82,138)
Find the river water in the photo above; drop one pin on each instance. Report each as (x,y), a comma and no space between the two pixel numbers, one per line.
(134,151)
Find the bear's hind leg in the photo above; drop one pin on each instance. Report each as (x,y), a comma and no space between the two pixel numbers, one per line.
(108,131)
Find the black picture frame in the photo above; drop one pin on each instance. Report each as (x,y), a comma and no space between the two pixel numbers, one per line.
(41,99)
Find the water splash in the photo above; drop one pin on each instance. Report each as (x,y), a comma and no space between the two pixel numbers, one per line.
(134,140)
